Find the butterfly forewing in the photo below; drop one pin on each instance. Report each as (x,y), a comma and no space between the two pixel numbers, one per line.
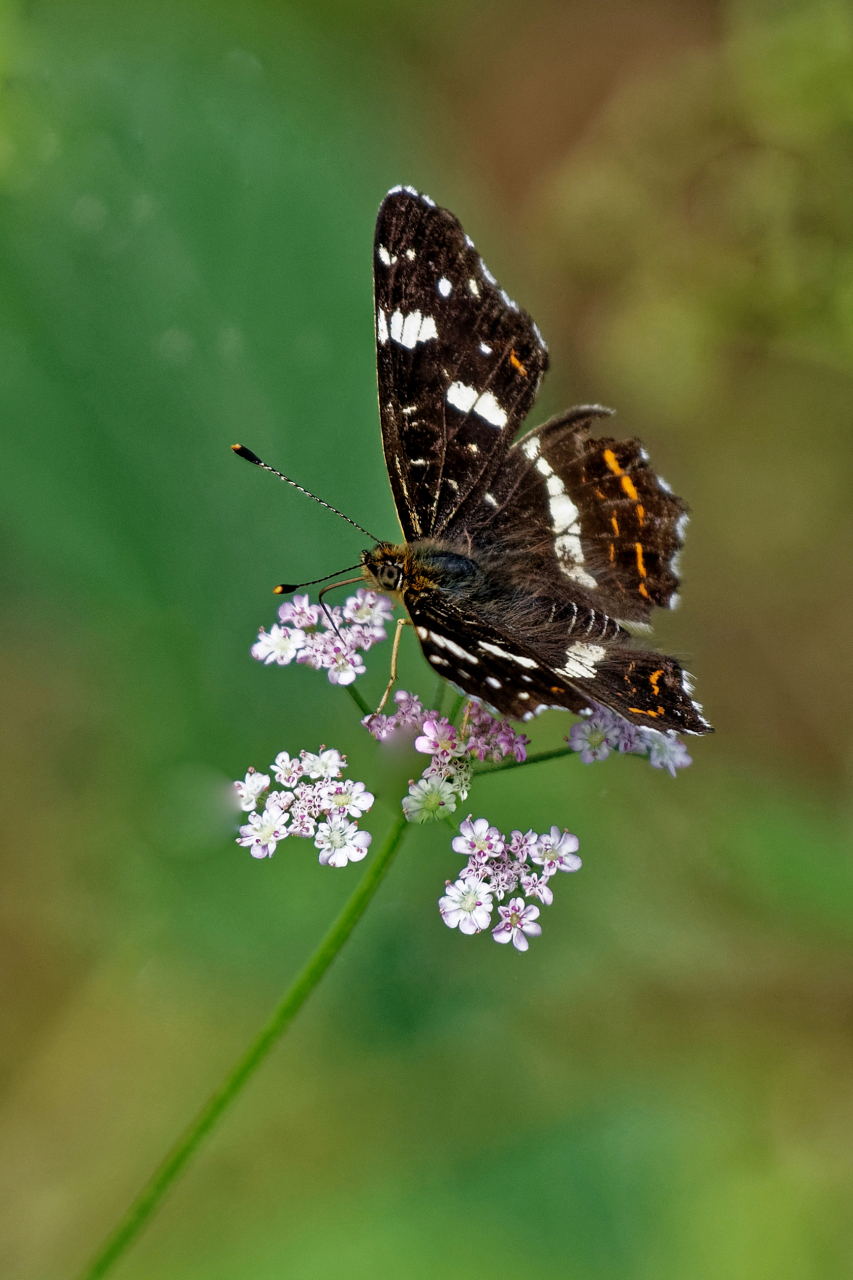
(563,533)
(458,363)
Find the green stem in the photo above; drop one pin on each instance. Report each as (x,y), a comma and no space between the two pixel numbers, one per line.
(517,764)
(151,1196)
(357,699)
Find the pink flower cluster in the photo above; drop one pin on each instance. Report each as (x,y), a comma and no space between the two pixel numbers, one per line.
(603,731)
(447,777)
(496,866)
(314,801)
(332,641)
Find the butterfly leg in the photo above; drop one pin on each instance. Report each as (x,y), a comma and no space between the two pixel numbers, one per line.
(401,622)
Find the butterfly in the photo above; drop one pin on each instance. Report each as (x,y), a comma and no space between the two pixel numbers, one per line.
(522,560)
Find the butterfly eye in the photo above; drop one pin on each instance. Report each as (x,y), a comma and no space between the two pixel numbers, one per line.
(389,575)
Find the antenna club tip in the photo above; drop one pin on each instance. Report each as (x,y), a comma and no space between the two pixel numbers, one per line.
(280,590)
(243,452)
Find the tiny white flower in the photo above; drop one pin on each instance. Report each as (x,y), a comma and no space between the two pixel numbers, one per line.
(517,923)
(325,764)
(370,610)
(666,751)
(537,887)
(467,905)
(279,644)
(478,839)
(341,842)
(428,800)
(299,612)
(264,830)
(287,771)
(352,798)
(557,852)
(250,789)
(345,663)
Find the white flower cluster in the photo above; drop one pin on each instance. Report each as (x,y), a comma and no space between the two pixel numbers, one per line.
(330,641)
(314,801)
(496,866)
(447,777)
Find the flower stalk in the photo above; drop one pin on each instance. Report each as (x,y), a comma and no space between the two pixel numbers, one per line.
(151,1196)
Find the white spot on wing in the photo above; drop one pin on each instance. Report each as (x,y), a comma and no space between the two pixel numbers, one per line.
(496,684)
(469,400)
(486,350)
(438,661)
(423,632)
(581,661)
(491,499)
(386,258)
(474,287)
(409,330)
(444,643)
(445,288)
(411,255)
(512,657)
(487,273)
(381,327)
(530,448)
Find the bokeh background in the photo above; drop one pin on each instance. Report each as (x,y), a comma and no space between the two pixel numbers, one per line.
(661,1087)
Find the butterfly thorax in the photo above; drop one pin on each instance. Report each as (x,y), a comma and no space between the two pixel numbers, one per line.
(412,568)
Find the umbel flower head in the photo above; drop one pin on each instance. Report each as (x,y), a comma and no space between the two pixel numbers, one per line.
(314,802)
(332,641)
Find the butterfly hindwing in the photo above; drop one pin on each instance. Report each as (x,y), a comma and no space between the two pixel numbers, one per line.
(515,677)
(458,363)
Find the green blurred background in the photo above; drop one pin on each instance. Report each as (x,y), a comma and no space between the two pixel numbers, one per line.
(661,1087)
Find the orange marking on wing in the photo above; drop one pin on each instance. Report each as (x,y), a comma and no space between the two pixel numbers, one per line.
(641,512)
(641,568)
(610,458)
(615,524)
(556,688)
(629,487)
(643,592)
(612,552)
(599,494)
(654,681)
(516,363)
(641,711)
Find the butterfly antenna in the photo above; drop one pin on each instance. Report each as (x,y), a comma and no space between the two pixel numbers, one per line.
(243,452)
(285,588)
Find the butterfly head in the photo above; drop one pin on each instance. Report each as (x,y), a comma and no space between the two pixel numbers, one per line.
(397,569)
